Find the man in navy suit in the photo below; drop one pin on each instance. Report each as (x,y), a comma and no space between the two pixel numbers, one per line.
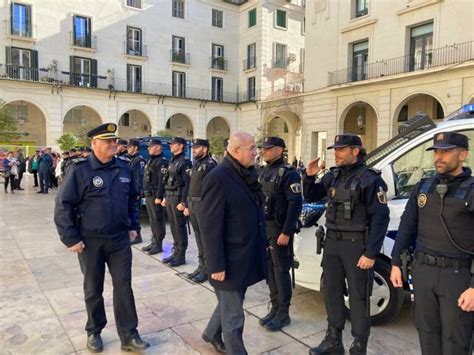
(233,236)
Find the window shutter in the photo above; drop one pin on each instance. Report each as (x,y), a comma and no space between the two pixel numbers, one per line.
(71,70)
(29,27)
(89,33)
(34,64)
(94,73)
(11,18)
(8,55)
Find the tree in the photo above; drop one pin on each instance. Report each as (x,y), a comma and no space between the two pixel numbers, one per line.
(165,133)
(216,144)
(81,136)
(8,124)
(67,141)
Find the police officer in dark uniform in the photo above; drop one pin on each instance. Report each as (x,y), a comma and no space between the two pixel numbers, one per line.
(281,185)
(122,146)
(154,191)
(439,215)
(137,163)
(357,217)
(203,164)
(176,192)
(96,217)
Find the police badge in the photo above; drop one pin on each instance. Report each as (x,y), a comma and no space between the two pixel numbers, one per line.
(422,198)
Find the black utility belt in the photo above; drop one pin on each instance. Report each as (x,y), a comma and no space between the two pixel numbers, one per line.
(172,193)
(194,199)
(338,235)
(441,261)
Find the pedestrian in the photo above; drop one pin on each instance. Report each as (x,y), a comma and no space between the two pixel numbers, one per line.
(34,166)
(21,168)
(10,171)
(176,192)
(96,216)
(137,163)
(357,218)
(233,234)
(154,192)
(203,164)
(53,180)
(122,146)
(44,170)
(281,185)
(439,217)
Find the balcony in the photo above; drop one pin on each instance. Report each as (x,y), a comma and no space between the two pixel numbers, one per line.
(250,63)
(134,49)
(83,42)
(236,2)
(179,57)
(448,55)
(218,63)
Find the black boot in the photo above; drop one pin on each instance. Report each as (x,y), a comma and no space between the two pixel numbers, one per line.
(156,249)
(170,258)
(138,239)
(358,347)
(178,261)
(331,344)
(282,319)
(94,343)
(135,344)
(148,247)
(217,343)
(201,276)
(269,316)
(195,272)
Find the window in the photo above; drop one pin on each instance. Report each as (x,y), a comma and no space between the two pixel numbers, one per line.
(178,52)
(217,18)
(135,3)
(218,61)
(125,120)
(251,88)
(21,20)
(421,47)
(83,71)
(360,54)
(361,8)
(252,17)
(281,18)
(179,84)
(280,56)
(134,78)
(134,41)
(217,89)
(178,8)
(251,59)
(318,144)
(82,31)
(21,63)
(20,112)
(303,26)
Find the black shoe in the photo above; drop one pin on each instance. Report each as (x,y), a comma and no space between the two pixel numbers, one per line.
(195,272)
(137,240)
(148,247)
(155,250)
(169,258)
(40,192)
(94,343)
(269,316)
(135,344)
(178,261)
(358,347)
(217,343)
(20,188)
(331,344)
(279,321)
(200,277)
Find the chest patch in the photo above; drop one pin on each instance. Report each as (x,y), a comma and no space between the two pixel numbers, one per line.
(422,198)
(332,192)
(97,181)
(124,179)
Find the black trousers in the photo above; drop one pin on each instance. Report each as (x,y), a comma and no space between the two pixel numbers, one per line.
(117,254)
(279,264)
(20,177)
(340,259)
(193,211)
(35,177)
(177,225)
(228,320)
(11,180)
(442,326)
(44,180)
(139,209)
(157,220)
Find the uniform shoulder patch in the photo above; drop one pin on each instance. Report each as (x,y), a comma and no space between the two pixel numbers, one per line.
(382,196)
(296,188)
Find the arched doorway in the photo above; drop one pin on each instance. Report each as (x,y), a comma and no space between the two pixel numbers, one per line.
(30,124)
(217,127)
(286,125)
(79,120)
(418,103)
(361,119)
(134,123)
(180,125)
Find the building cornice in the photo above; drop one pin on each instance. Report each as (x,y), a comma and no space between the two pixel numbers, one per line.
(417,7)
(358,25)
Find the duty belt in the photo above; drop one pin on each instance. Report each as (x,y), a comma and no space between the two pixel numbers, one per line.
(338,235)
(172,193)
(194,199)
(441,261)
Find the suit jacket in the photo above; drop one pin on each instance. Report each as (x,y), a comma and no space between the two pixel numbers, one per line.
(233,229)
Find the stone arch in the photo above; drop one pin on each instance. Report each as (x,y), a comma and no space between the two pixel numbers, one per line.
(134,123)
(218,126)
(179,124)
(361,118)
(79,119)
(287,125)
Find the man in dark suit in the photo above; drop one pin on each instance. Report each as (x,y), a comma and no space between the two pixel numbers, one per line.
(233,236)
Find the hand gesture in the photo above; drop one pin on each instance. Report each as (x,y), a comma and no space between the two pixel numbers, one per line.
(163,202)
(158,201)
(466,300)
(314,167)
(396,276)
(283,239)
(218,276)
(77,248)
(180,207)
(365,263)
(132,235)
(186,212)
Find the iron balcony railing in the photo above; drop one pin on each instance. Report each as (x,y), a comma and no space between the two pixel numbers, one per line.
(219,63)
(135,49)
(450,54)
(250,63)
(179,56)
(81,40)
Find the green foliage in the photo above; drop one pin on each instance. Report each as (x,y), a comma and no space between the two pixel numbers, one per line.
(8,124)
(67,141)
(165,133)
(216,144)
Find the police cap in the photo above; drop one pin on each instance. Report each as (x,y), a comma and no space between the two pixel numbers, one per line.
(200,143)
(270,142)
(122,142)
(155,141)
(346,140)
(178,140)
(134,143)
(449,140)
(104,131)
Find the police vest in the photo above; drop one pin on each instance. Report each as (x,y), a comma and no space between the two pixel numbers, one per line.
(271,179)
(457,212)
(173,178)
(200,169)
(154,171)
(346,212)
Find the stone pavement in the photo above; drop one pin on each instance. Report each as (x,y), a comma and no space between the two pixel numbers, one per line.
(42,308)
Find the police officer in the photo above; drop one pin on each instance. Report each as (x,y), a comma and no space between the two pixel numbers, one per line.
(439,215)
(154,191)
(122,146)
(176,192)
(203,164)
(137,163)
(357,217)
(96,217)
(281,185)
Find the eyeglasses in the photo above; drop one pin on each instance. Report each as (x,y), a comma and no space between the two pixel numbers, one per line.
(251,148)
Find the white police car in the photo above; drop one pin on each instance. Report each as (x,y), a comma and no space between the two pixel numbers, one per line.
(403,161)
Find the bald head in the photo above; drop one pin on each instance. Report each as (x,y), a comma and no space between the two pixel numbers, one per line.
(242,147)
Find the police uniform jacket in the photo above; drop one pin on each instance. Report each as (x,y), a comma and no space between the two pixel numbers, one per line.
(137,162)
(96,200)
(201,168)
(155,170)
(371,206)
(177,178)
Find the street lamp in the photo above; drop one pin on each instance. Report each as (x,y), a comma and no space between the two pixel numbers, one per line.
(360,119)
